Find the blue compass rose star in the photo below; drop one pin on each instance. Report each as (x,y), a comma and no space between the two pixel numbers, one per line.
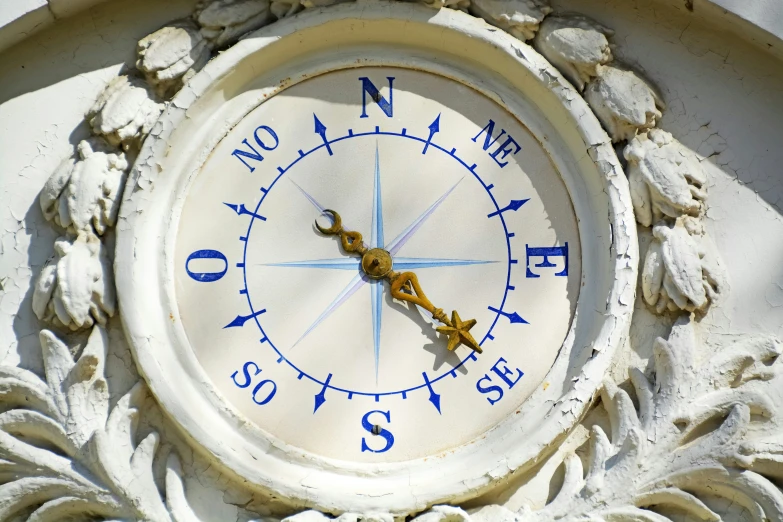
(377,240)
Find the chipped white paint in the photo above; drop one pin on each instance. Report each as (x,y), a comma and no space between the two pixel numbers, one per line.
(655,458)
(70,454)
(171,55)
(653,463)
(76,288)
(83,195)
(668,189)
(666,178)
(575,45)
(172,154)
(520,18)
(125,111)
(677,273)
(623,102)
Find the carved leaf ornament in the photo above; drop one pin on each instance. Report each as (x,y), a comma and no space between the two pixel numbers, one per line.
(698,436)
(64,452)
(699,430)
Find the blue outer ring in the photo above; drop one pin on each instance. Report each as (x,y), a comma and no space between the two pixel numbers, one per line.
(427,381)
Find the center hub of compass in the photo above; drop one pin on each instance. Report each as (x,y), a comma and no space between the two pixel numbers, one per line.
(377,263)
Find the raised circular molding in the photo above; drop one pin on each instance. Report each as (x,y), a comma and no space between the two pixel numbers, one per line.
(445,42)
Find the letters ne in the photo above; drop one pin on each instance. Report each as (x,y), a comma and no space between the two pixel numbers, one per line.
(510,146)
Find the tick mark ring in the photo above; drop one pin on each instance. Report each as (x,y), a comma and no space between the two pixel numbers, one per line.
(377,263)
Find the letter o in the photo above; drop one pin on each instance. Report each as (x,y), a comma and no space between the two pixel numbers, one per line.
(206,277)
(269,396)
(271,133)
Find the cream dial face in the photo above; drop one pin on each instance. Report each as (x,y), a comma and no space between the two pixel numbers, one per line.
(294,335)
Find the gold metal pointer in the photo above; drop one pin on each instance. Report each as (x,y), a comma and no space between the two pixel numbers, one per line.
(377,263)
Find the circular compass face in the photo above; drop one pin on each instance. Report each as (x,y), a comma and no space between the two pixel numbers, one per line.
(299,335)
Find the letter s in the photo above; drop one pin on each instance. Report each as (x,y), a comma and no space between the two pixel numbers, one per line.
(246,373)
(387,435)
(489,389)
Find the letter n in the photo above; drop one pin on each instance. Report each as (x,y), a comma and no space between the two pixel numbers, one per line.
(242,154)
(489,129)
(369,88)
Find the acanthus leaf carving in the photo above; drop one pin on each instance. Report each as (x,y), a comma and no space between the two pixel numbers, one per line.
(702,429)
(575,45)
(665,182)
(125,112)
(79,388)
(520,18)
(66,454)
(171,55)
(76,288)
(698,436)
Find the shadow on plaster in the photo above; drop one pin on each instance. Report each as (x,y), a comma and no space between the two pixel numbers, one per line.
(120,367)
(103,37)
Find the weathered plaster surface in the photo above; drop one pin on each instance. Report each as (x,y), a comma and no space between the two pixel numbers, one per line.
(724,102)
(71,61)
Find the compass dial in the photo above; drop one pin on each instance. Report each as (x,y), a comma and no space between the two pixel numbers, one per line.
(294,333)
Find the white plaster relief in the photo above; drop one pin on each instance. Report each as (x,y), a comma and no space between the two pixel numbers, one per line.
(702,429)
(705,434)
(520,18)
(76,288)
(125,112)
(171,55)
(666,178)
(681,271)
(69,455)
(623,102)
(688,256)
(224,21)
(579,48)
(83,195)
(678,273)
(575,45)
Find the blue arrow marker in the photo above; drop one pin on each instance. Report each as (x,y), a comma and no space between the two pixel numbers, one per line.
(242,319)
(321,397)
(434,127)
(513,316)
(515,205)
(434,397)
(320,128)
(240,209)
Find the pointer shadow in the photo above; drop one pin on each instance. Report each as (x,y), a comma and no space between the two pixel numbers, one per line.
(437,344)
